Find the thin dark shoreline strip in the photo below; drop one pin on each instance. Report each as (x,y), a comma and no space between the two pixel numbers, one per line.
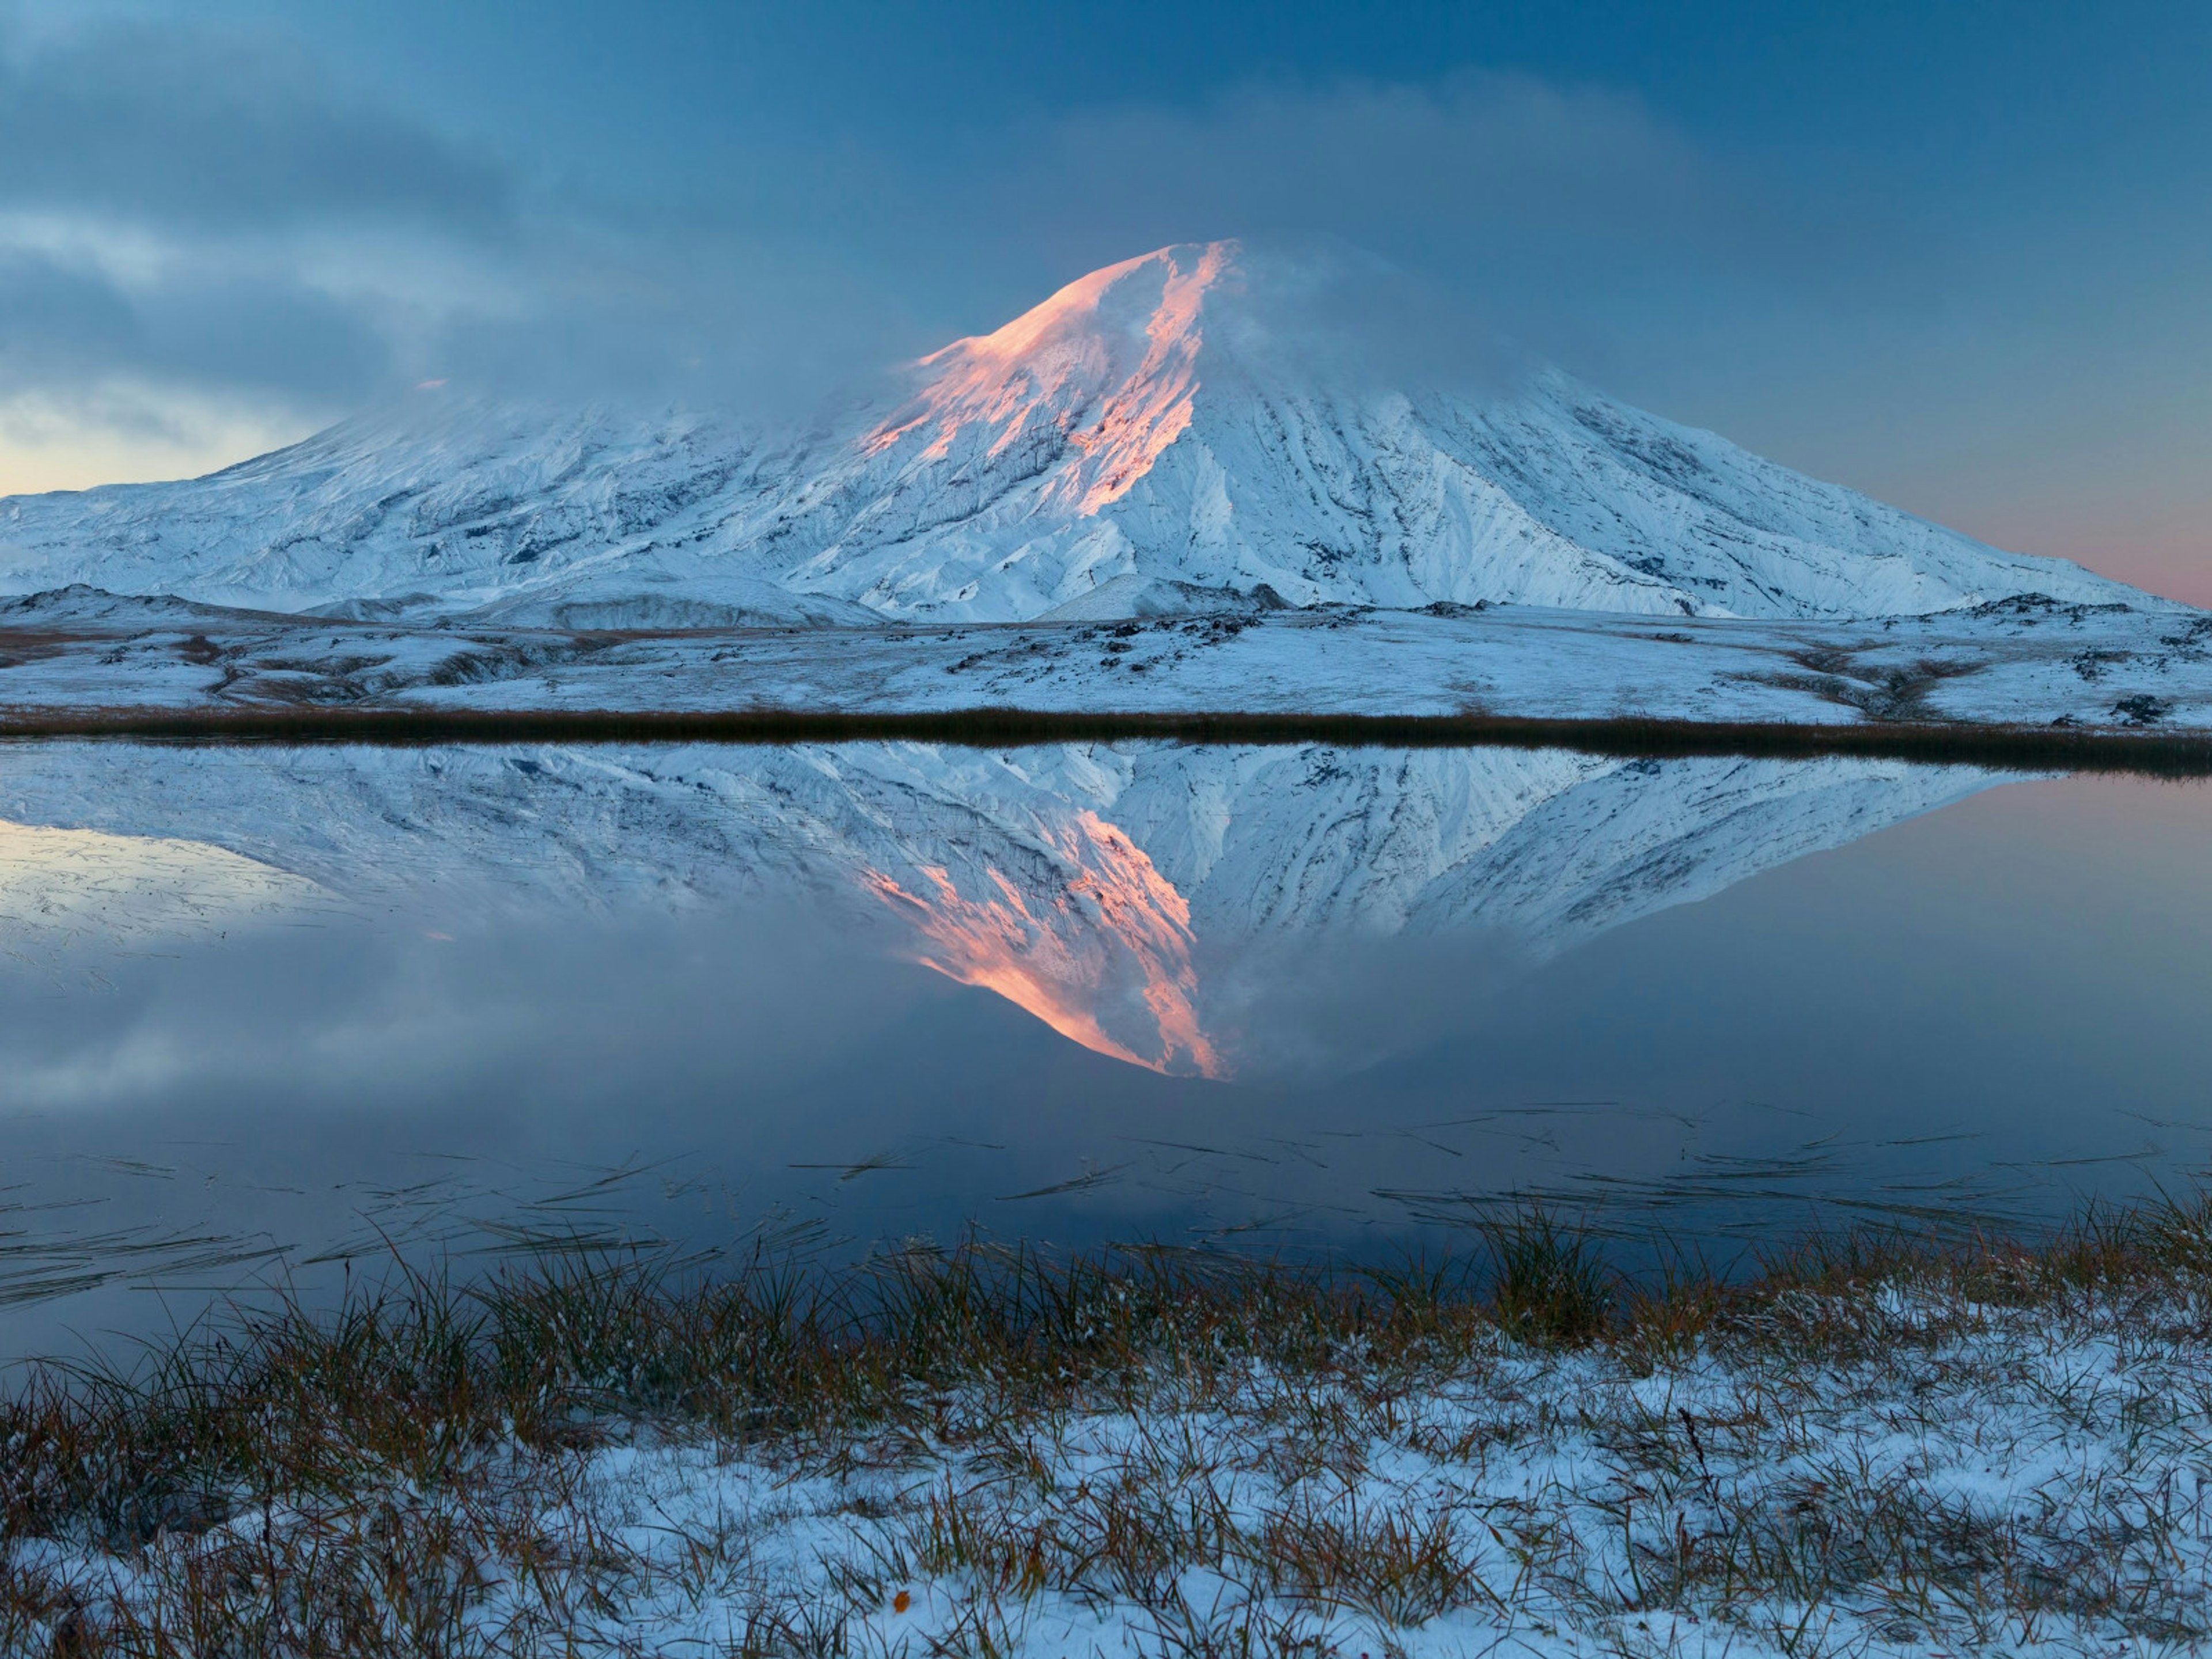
(2010,747)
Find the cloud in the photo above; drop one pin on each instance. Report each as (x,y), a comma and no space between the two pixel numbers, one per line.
(63,325)
(686,311)
(1530,200)
(1445,165)
(186,127)
(198,220)
(203,224)
(56,321)
(206,240)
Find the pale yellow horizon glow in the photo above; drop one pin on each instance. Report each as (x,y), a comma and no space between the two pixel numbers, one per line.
(129,434)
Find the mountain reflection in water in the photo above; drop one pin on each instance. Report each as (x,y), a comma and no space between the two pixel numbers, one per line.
(1085,884)
(269,1005)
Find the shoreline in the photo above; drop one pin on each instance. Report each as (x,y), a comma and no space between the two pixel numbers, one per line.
(2084,749)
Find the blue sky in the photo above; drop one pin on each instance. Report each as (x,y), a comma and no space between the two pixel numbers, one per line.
(1956,254)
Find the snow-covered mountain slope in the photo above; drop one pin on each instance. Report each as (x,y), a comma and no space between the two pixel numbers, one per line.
(427,510)
(1161,434)
(1142,900)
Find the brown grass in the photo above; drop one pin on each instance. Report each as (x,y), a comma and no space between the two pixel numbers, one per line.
(409,1472)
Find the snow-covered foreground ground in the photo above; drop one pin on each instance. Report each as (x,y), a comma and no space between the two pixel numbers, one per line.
(1888,1470)
(1543,1505)
(2017,1484)
(2019,661)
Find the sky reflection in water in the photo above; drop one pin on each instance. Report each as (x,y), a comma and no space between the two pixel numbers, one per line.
(266,1011)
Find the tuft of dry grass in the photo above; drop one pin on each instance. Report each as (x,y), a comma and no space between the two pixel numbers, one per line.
(1863,1441)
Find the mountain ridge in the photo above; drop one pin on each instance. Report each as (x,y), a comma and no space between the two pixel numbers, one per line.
(1164,427)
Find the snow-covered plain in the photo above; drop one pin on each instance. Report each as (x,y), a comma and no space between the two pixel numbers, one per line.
(2019,661)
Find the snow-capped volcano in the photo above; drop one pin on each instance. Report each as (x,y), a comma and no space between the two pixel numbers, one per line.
(1157,435)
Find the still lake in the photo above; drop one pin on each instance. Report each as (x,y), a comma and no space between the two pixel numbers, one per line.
(272,1014)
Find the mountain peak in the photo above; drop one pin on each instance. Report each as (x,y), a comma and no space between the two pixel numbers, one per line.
(1108,365)
(1158,294)
(1203,425)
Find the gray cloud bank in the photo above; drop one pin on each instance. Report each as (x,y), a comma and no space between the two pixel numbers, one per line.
(190,219)
(1487,176)
(186,127)
(203,213)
